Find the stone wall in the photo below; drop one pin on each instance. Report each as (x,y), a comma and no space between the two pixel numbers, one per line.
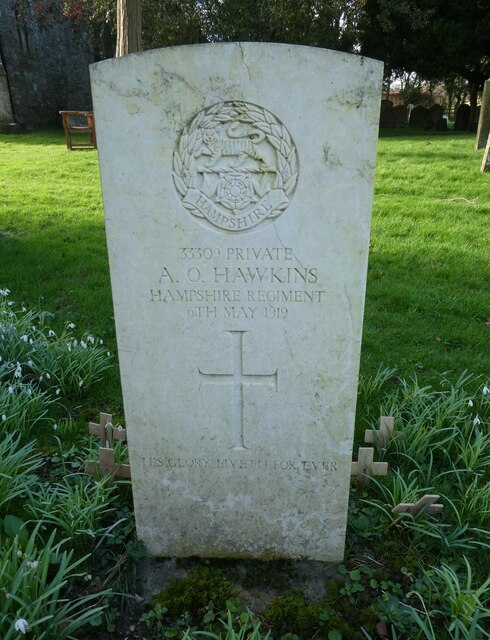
(46,68)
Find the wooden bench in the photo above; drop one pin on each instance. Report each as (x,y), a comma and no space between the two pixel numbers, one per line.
(79,122)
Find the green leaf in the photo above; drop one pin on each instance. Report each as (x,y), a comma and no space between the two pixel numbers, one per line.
(334,635)
(14,526)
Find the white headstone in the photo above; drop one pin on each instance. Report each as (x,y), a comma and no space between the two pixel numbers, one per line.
(237,183)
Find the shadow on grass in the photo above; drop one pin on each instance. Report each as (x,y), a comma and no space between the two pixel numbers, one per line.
(406,133)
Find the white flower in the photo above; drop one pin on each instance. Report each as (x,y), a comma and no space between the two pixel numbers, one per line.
(91,339)
(10,304)
(48,376)
(476,421)
(83,344)
(51,333)
(108,353)
(24,309)
(101,342)
(33,564)
(30,363)
(68,346)
(25,337)
(4,292)
(19,553)
(21,625)
(29,391)
(10,389)
(55,426)
(80,384)
(58,391)
(470,403)
(88,577)
(4,417)
(18,371)
(70,325)
(485,389)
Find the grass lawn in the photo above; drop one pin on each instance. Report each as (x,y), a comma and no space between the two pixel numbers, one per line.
(427,321)
(428,294)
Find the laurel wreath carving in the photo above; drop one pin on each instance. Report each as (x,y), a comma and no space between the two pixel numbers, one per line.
(276,134)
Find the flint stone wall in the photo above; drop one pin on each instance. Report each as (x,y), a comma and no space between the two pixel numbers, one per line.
(46,68)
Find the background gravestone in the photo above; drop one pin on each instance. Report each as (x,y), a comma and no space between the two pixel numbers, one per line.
(462,117)
(400,116)
(386,114)
(418,117)
(237,211)
(434,116)
(484,119)
(485,165)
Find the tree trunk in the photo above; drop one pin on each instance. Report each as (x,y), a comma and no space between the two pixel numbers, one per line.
(128,27)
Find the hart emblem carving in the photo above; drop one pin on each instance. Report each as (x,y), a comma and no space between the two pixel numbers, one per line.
(235,165)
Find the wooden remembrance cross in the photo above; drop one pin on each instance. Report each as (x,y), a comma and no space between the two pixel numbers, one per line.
(239,379)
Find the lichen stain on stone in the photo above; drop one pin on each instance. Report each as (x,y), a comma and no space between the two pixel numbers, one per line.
(132,108)
(329,158)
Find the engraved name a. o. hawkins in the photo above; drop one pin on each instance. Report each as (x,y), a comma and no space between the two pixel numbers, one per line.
(235,165)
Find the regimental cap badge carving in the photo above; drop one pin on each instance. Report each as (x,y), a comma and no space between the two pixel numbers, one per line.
(235,166)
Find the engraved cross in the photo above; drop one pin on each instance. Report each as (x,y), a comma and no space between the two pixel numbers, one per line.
(239,379)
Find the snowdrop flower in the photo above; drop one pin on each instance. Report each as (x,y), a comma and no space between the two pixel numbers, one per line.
(80,384)
(21,625)
(88,577)
(58,391)
(101,342)
(83,344)
(18,371)
(91,339)
(30,363)
(470,403)
(476,421)
(33,564)
(10,304)
(55,426)
(29,391)
(51,333)
(108,353)
(24,309)
(10,389)
(4,292)
(25,338)
(19,553)
(4,417)
(70,325)
(48,376)
(485,389)
(68,346)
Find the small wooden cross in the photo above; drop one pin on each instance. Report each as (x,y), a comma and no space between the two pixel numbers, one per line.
(106,431)
(384,434)
(107,465)
(365,466)
(427,503)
